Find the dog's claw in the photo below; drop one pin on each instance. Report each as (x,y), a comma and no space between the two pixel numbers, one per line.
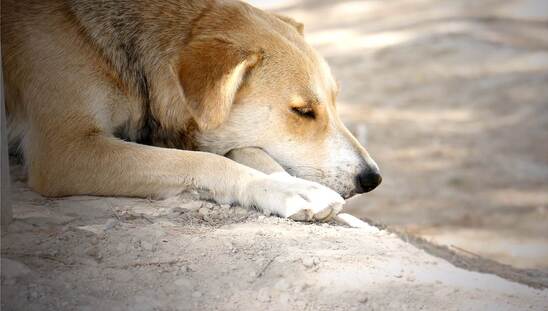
(302,215)
(324,214)
(333,212)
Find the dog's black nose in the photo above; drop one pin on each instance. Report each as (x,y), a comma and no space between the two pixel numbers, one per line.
(369,180)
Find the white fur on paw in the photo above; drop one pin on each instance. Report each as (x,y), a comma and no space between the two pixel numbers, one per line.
(296,198)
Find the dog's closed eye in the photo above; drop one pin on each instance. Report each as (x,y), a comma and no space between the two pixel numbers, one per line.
(306,112)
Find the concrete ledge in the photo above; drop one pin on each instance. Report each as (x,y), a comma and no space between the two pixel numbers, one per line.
(90,253)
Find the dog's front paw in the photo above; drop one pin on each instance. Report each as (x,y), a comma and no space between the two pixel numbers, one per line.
(294,198)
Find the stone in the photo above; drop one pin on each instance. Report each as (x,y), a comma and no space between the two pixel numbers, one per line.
(240,211)
(111,223)
(308,262)
(192,206)
(263,295)
(147,246)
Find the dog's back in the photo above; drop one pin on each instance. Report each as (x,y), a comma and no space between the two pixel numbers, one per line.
(125,42)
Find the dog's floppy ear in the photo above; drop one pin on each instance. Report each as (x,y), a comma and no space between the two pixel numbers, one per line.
(211,72)
(292,22)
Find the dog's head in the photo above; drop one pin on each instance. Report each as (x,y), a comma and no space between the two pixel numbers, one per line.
(251,80)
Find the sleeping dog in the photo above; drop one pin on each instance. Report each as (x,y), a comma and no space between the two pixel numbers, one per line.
(144,98)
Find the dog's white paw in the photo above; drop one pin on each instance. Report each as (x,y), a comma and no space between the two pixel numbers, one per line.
(294,198)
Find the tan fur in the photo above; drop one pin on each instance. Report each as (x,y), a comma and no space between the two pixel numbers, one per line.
(95,89)
(211,73)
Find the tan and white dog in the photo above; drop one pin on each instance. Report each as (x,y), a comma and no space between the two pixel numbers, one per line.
(144,98)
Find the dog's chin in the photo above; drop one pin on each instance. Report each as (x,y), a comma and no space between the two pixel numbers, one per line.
(348,195)
(352,192)
(345,192)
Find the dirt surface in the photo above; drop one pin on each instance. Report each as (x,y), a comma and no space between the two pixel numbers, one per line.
(454,99)
(89,253)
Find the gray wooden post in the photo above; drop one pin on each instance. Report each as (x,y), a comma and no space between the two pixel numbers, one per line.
(5,206)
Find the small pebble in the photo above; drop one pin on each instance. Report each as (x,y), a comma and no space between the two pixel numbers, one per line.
(203,211)
(308,262)
(93,251)
(281,285)
(53,252)
(147,246)
(111,223)
(33,295)
(284,299)
(193,206)
(240,211)
(263,295)
(178,210)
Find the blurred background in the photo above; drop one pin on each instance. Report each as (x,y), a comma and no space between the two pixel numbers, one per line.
(451,100)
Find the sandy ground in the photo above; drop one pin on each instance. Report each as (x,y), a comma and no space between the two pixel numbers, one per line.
(453,94)
(454,97)
(88,253)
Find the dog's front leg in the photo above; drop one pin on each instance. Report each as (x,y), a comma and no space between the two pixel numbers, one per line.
(255,158)
(100,165)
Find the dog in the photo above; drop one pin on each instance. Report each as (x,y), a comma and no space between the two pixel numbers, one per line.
(145,98)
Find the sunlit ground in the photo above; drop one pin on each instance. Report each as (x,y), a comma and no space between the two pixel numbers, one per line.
(454,95)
